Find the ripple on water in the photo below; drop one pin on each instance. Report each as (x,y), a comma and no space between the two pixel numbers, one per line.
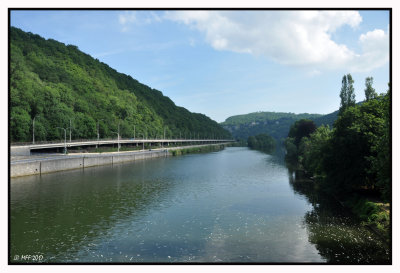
(236,205)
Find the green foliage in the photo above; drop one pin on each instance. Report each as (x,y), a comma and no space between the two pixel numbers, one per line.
(314,150)
(347,95)
(371,213)
(20,123)
(382,162)
(291,151)
(191,150)
(327,120)
(353,157)
(301,128)
(369,90)
(60,83)
(262,142)
(349,165)
(265,116)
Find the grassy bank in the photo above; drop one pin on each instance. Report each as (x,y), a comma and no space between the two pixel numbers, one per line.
(373,214)
(203,149)
(369,207)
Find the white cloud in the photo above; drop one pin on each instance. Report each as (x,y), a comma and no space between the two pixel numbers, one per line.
(314,72)
(289,37)
(375,47)
(128,18)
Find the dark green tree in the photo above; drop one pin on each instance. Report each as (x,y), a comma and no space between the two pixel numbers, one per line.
(369,90)
(352,150)
(382,162)
(291,151)
(347,95)
(313,150)
(301,128)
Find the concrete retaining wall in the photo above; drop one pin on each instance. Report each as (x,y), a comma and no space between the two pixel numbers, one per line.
(77,162)
(63,164)
(97,161)
(123,158)
(138,156)
(26,168)
(69,163)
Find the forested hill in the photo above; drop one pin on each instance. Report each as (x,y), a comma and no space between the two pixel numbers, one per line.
(328,119)
(275,124)
(57,85)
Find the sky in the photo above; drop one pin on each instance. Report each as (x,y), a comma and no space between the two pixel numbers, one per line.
(228,62)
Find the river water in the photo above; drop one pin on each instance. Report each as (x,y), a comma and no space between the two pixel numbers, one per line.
(231,206)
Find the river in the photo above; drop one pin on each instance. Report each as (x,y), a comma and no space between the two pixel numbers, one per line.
(232,206)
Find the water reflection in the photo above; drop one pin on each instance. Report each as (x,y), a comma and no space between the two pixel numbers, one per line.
(337,235)
(59,214)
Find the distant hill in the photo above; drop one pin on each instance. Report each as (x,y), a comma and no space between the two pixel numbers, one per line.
(275,124)
(58,85)
(327,119)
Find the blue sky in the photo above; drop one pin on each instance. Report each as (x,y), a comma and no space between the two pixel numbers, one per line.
(224,63)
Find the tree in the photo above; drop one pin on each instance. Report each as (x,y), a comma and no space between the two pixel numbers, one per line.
(349,164)
(382,163)
(262,142)
(59,83)
(313,150)
(291,151)
(347,95)
(369,90)
(301,128)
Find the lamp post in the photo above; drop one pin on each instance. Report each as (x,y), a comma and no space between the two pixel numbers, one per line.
(162,142)
(98,133)
(117,134)
(70,127)
(33,130)
(65,139)
(118,138)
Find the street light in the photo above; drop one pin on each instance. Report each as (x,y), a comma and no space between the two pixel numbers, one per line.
(33,129)
(70,127)
(65,139)
(98,134)
(162,142)
(117,134)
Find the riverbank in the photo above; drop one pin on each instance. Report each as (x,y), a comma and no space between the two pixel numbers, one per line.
(199,149)
(55,163)
(372,212)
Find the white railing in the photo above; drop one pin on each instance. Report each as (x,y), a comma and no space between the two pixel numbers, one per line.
(114,140)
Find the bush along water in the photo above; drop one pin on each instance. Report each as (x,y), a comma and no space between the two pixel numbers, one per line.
(203,149)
